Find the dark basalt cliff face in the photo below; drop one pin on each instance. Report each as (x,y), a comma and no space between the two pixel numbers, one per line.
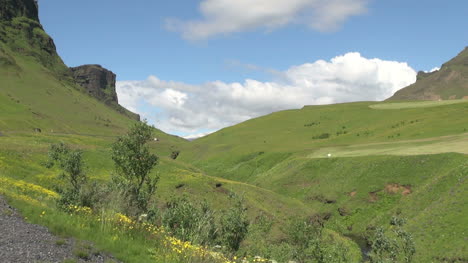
(21,34)
(10,9)
(450,82)
(100,83)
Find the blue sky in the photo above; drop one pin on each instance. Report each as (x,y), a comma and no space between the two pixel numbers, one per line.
(235,58)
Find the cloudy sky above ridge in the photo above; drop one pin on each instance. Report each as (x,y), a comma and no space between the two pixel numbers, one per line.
(192,67)
(195,109)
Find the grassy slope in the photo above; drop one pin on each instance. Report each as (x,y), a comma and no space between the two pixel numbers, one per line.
(384,144)
(36,92)
(21,157)
(272,160)
(355,123)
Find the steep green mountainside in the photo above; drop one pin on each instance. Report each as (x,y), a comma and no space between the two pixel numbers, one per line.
(38,91)
(450,82)
(359,163)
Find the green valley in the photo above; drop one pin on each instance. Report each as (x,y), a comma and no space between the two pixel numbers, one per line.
(346,169)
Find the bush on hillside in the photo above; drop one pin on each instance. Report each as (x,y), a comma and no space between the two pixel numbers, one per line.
(71,163)
(234,225)
(133,165)
(393,244)
(190,222)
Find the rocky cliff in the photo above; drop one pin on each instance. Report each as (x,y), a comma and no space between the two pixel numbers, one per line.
(100,83)
(450,82)
(10,9)
(22,35)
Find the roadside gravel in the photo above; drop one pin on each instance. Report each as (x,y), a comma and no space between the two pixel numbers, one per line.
(24,242)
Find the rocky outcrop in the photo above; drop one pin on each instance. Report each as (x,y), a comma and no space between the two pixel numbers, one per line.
(450,82)
(10,9)
(19,23)
(100,83)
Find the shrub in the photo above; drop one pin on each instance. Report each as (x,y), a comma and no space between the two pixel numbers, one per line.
(175,154)
(234,225)
(305,238)
(72,166)
(189,222)
(133,164)
(392,245)
(321,136)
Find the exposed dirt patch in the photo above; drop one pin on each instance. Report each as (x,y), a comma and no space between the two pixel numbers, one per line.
(320,218)
(343,211)
(397,188)
(373,197)
(322,199)
(352,194)
(222,190)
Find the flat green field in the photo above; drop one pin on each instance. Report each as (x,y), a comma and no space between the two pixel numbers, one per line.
(414,104)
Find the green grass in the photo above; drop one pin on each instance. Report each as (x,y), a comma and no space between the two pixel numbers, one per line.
(278,162)
(419,145)
(415,104)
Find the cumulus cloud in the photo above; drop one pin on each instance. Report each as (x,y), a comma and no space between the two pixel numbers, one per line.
(432,70)
(228,16)
(191,109)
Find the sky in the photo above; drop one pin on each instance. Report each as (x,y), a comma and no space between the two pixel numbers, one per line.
(194,67)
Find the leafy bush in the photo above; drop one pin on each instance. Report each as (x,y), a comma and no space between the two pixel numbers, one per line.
(234,225)
(392,245)
(189,222)
(72,166)
(133,164)
(305,238)
(321,136)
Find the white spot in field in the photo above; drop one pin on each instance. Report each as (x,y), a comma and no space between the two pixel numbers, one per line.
(329,155)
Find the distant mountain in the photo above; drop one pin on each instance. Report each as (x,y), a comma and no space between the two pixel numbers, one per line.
(450,82)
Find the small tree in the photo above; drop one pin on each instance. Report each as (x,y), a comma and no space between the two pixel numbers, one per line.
(72,165)
(133,164)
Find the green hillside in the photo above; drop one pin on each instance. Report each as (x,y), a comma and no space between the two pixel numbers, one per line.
(347,167)
(359,162)
(450,82)
(40,104)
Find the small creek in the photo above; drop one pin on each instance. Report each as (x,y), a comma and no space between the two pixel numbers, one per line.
(362,243)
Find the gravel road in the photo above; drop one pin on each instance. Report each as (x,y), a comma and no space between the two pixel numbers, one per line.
(24,242)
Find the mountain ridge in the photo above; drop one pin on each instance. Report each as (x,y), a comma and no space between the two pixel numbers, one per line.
(36,82)
(449,82)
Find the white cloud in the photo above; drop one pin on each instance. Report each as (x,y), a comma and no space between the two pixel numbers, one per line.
(196,136)
(228,16)
(432,70)
(189,109)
